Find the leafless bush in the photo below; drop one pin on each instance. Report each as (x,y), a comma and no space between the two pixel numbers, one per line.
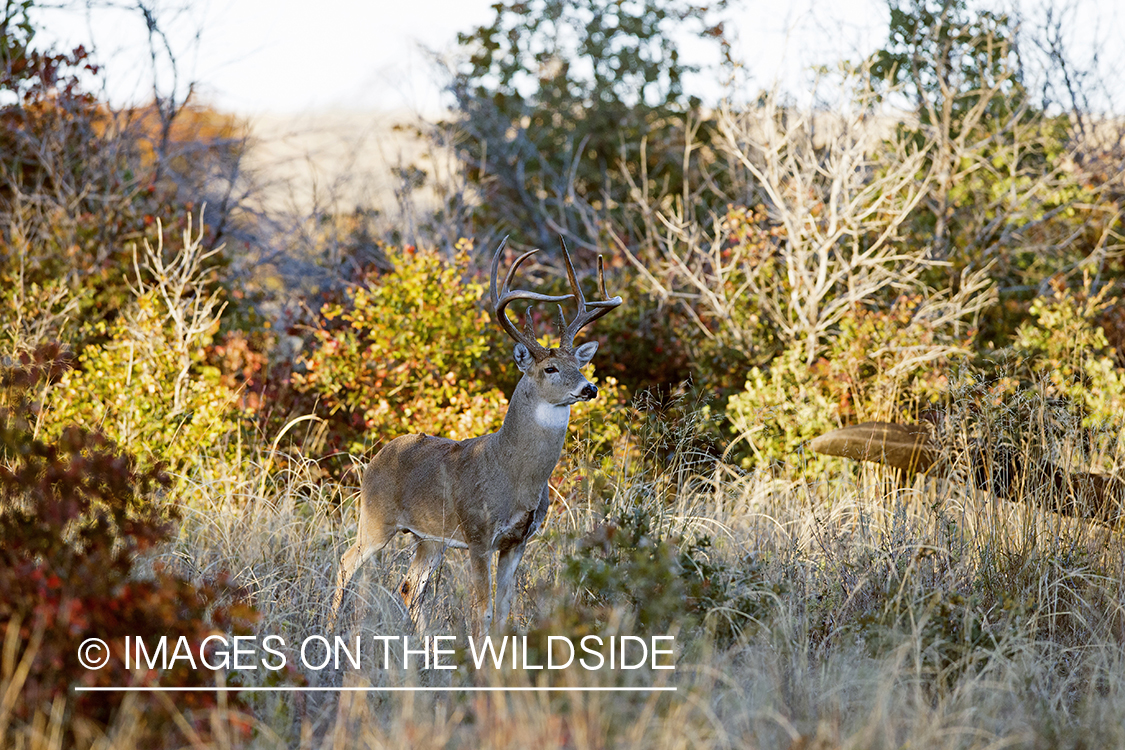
(184,287)
(837,189)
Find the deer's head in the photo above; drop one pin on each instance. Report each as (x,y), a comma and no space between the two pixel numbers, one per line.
(555,373)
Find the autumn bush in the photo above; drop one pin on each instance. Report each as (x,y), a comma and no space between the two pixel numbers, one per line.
(1063,345)
(78,518)
(411,350)
(145,380)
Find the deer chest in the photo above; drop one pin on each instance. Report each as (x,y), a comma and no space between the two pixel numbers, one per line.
(520,525)
(514,530)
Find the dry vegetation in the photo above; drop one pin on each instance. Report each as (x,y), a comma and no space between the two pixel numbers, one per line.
(186,403)
(857,614)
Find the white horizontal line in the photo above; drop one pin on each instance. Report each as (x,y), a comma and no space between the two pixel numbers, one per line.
(291,689)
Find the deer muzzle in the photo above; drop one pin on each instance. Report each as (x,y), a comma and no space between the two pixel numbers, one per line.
(588,392)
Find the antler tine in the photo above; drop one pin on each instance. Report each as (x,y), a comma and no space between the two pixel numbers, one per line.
(588,312)
(512,271)
(506,295)
(495,268)
(572,278)
(529,324)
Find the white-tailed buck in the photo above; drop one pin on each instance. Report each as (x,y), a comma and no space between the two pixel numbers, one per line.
(486,494)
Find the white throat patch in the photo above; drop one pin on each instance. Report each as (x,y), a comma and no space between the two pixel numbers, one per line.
(552,417)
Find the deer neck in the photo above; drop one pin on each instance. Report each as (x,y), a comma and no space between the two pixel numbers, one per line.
(533,432)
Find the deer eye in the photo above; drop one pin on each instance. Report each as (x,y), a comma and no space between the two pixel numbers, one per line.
(550,369)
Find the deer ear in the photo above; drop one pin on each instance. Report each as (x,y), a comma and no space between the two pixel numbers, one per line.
(523,358)
(585,353)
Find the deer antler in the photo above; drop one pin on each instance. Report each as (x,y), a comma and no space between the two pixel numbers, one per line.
(500,302)
(588,312)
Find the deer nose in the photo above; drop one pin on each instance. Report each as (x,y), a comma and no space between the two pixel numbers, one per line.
(589,391)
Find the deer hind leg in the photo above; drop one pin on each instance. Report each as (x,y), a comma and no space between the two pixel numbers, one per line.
(413,588)
(364,547)
(505,573)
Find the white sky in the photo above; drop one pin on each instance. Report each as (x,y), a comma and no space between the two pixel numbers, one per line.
(281,56)
(284,56)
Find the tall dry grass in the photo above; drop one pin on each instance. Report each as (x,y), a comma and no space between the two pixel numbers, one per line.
(887,613)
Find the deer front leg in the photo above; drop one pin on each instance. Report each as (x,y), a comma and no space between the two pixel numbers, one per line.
(481,563)
(505,573)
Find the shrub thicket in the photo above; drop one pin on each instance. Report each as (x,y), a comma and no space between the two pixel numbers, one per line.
(802,268)
(78,516)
